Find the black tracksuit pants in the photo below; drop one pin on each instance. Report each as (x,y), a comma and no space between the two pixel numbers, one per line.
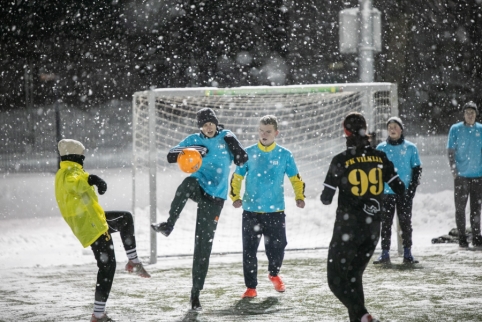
(403,205)
(272,226)
(354,240)
(463,188)
(208,212)
(103,249)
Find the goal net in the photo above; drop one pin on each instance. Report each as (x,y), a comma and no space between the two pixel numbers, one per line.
(309,119)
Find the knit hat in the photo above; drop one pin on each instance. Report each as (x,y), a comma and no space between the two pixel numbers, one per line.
(206,115)
(355,124)
(67,146)
(395,119)
(471,105)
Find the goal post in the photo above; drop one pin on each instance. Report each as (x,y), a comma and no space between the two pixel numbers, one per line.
(309,119)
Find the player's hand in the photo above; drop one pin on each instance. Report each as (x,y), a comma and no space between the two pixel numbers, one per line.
(238,203)
(300,203)
(101,184)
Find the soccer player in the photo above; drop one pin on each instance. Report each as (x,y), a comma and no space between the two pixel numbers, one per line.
(263,203)
(406,159)
(464,147)
(359,173)
(208,187)
(93,226)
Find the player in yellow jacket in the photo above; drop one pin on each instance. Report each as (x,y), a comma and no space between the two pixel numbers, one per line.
(79,205)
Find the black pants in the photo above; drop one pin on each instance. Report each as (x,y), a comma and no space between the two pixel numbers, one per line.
(352,245)
(103,249)
(272,227)
(403,205)
(463,188)
(208,212)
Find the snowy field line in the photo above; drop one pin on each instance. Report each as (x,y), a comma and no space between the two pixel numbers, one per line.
(445,286)
(47,276)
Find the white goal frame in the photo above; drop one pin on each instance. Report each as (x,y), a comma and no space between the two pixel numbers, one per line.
(376,110)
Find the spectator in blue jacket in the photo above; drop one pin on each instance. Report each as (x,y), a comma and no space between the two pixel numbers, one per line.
(464,147)
(406,159)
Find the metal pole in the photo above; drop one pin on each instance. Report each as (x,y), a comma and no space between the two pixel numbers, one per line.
(152,173)
(365,48)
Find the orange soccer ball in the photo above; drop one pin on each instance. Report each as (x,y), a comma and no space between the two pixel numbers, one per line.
(189,160)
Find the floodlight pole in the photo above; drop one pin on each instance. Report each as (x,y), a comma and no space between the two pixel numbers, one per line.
(365,46)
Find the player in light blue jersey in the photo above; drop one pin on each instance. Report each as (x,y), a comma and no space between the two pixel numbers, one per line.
(208,187)
(263,202)
(464,147)
(406,159)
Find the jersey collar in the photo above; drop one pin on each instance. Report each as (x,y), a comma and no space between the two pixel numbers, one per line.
(268,148)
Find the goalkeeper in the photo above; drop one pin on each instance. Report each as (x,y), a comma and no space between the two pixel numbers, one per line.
(359,173)
(92,226)
(263,203)
(208,187)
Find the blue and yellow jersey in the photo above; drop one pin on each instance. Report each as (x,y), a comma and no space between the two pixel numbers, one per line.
(264,173)
(213,176)
(404,157)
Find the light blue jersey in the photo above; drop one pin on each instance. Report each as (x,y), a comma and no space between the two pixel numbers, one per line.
(404,157)
(466,141)
(213,175)
(264,173)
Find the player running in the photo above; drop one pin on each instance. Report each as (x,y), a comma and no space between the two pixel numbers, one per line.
(263,203)
(93,226)
(359,173)
(208,187)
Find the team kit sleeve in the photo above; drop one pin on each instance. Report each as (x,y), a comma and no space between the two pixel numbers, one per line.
(295,178)
(235,186)
(239,154)
(330,184)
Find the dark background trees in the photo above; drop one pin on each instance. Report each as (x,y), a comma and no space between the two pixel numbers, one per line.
(85,53)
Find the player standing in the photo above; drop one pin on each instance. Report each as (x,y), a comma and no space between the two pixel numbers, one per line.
(263,203)
(208,187)
(93,227)
(406,159)
(359,173)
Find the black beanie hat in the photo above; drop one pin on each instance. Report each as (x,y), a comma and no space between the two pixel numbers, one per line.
(206,115)
(471,105)
(355,124)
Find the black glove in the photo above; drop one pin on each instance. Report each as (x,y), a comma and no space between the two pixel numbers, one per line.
(410,192)
(101,185)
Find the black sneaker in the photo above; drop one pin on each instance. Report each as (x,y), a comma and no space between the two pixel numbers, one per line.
(195,304)
(164,228)
(463,245)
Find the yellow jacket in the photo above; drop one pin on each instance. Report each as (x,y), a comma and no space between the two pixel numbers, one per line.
(78,203)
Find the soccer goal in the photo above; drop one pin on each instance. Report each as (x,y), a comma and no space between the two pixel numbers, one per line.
(309,118)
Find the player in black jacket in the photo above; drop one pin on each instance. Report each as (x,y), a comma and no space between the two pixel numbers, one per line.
(359,173)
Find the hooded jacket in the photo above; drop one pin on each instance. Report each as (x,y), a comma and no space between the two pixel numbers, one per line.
(78,203)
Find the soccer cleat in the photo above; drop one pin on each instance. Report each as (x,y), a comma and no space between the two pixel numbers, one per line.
(104,318)
(368,318)
(463,246)
(410,260)
(250,293)
(277,283)
(164,228)
(383,259)
(137,269)
(195,304)
(407,257)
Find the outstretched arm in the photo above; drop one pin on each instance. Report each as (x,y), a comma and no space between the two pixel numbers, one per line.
(174,152)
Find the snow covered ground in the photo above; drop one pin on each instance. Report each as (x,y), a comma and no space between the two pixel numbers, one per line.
(35,242)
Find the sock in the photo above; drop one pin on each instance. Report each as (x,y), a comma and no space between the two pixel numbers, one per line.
(385,253)
(132,256)
(407,252)
(99,309)
(366,318)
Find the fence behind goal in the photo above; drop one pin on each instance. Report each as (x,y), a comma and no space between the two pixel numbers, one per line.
(309,119)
